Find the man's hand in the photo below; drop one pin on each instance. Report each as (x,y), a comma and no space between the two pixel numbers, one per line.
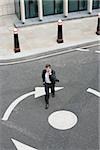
(57,80)
(50,71)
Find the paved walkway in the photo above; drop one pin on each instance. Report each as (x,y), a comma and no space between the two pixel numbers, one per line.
(42,38)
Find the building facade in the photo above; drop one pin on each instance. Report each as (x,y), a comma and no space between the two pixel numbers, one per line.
(7,7)
(25,9)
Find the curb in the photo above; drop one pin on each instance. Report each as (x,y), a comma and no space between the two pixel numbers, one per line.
(55,52)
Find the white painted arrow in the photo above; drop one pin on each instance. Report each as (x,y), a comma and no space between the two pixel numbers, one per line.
(93,92)
(21,146)
(39,91)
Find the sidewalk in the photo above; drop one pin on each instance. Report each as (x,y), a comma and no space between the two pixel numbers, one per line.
(42,38)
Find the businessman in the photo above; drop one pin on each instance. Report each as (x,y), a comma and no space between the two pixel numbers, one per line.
(49,80)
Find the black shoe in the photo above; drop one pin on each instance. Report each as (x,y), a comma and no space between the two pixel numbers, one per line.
(53,95)
(47,105)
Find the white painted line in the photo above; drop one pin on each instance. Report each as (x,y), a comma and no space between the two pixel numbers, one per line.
(14,104)
(93,92)
(39,91)
(21,146)
(82,50)
(97,52)
(62,120)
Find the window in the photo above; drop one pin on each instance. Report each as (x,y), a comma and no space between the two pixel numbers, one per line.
(77,5)
(58,6)
(31,8)
(51,7)
(17,8)
(96,4)
(48,7)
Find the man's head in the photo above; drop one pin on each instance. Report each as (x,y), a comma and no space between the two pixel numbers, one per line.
(48,67)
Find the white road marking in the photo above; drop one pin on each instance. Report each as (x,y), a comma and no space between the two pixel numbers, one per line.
(21,146)
(97,52)
(62,120)
(93,92)
(14,104)
(46,56)
(82,50)
(39,91)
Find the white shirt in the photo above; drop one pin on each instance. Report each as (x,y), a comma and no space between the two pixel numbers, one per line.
(47,79)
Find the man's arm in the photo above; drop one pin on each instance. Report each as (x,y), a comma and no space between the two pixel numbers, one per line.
(43,75)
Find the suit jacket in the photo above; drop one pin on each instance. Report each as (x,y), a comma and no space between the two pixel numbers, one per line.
(52,77)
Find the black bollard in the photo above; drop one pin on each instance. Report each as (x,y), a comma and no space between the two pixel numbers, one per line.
(98,25)
(16,41)
(60,34)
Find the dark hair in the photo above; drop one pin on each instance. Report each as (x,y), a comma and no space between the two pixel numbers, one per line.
(47,65)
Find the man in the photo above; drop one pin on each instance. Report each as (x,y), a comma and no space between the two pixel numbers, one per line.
(49,80)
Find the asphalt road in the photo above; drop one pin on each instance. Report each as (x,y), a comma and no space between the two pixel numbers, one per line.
(28,123)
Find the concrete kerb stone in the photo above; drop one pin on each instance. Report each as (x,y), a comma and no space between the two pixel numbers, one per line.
(27,57)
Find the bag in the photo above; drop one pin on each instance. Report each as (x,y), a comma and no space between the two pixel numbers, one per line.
(53,78)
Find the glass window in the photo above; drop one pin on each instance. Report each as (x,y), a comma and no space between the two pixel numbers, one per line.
(82,4)
(77,5)
(31,8)
(58,6)
(48,7)
(51,7)
(72,5)
(96,4)
(17,8)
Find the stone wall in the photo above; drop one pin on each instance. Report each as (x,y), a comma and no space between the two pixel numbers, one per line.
(6,7)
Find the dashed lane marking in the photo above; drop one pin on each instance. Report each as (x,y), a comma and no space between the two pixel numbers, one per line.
(93,92)
(97,52)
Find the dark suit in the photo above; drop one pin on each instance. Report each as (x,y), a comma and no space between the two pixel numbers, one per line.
(48,86)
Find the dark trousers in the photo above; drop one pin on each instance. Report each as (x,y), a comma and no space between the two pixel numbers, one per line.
(47,87)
